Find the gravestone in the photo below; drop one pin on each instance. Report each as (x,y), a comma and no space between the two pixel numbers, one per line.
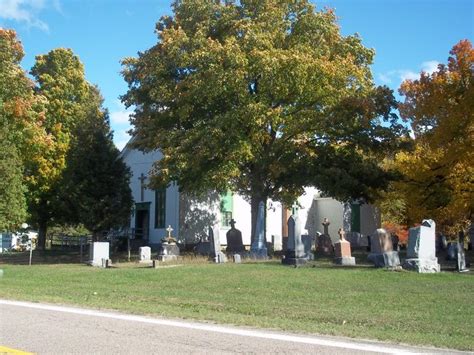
(145,254)
(308,242)
(356,239)
(452,251)
(98,251)
(295,253)
(169,250)
(395,242)
(216,254)
(324,242)
(461,256)
(258,249)
(441,242)
(342,250)
(234,240)
(203,247)
(421,251)
(381,250)
(237,258)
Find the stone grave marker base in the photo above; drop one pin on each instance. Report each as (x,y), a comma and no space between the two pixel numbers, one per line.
(168,252)
(422,266)
(345,261)
(220,258)
(294,261)
(165,258)
(387,259)
(259,254)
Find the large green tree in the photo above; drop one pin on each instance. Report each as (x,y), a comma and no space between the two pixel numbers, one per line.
(95,189)
(263,97)
(22,137)
(60,79)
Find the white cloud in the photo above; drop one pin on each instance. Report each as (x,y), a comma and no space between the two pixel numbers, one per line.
(26,11)
(430,66)
(385,78)
(120,117)
(392,76)
(120,123)
(408,75)
(121,138)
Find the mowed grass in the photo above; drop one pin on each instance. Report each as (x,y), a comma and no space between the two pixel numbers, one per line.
(362,302)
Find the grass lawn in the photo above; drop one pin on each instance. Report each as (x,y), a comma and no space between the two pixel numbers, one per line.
(361,302)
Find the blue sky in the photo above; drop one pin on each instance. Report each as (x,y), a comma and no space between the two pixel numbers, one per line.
(408,36)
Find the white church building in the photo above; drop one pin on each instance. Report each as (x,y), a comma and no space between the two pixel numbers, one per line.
(190,218)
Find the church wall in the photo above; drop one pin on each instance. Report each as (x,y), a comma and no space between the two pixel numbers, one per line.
(191,217)
(321,208)
(141,163)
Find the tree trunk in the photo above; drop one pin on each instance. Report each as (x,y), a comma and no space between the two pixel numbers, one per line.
(43,218)
(96,236)
(255,200)
(43,228)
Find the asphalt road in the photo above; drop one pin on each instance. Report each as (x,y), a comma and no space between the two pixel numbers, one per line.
(48,329)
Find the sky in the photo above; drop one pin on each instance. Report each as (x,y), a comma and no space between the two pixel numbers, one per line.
(408,36)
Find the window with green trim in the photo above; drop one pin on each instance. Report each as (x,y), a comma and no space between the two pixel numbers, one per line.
(355,217)
(160,208)
(227,208)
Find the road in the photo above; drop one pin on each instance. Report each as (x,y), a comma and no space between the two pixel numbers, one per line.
(48,329)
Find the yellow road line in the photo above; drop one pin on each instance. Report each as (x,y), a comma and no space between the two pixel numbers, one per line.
(8,351)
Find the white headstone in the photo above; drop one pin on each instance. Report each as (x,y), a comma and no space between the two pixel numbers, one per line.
(422,241)
(99,251)
(145,254)
(214,238)
(421,250)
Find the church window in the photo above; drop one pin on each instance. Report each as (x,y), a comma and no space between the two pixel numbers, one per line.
(355,217)
(160,208)
(227,207)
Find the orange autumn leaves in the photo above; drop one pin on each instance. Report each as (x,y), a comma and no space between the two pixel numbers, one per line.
(439,173)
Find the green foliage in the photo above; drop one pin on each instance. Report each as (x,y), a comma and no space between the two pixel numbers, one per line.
(12,189)
(95,187)
(69,230)
(60,78)
(256,96)
(22,137)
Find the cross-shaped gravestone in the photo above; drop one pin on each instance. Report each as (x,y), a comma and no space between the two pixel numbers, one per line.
(341,234)
(326,224)
(232,223)
(142,179)
(169,230)
(295,208)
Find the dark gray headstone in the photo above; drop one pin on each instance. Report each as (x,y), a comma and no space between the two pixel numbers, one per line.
(203,247)
(452,251)
(234,240)
(295,253)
